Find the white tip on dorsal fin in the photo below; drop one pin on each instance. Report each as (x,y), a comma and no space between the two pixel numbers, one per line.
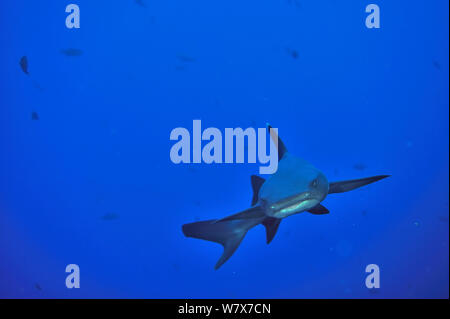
(277,140)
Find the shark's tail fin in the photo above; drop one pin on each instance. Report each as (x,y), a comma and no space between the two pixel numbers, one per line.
(227,233)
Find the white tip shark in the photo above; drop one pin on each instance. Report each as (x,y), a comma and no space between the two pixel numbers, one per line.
(295,187)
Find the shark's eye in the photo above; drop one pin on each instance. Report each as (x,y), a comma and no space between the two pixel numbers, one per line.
(314,183)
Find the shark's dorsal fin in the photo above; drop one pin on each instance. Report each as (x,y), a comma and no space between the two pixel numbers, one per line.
(276,138)
(271,225)
(346,186)
(319,210)
(257,182)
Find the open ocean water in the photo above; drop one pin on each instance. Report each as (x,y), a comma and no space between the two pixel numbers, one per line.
(85,172)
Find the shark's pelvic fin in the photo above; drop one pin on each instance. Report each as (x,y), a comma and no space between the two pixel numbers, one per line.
(271,225)
(345,186)
(228,234)
(281,147)
(251,213)
(257,182)
(319,210)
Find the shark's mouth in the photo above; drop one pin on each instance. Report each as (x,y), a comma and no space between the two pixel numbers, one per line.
(293,205)
(299,207)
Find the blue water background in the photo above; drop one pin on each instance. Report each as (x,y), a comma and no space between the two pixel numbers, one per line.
(91,181)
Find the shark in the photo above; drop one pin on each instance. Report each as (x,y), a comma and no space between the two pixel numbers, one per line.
(296,187)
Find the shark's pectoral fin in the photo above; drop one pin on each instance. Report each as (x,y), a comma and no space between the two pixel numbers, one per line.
(251,213)
(257,182)
(345,186)
(276,138)
(271,225)
(319,210)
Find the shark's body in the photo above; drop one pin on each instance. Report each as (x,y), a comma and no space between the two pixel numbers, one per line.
(296,187)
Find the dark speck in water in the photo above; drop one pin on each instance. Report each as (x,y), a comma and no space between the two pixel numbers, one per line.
(293,53)
(443,219)
(38,287)
(185,59)
(110,216)
(436,64)
(38,86)
(359,166)
(34,116)
(72,52)
(295,3)
(140,3)
(192,169)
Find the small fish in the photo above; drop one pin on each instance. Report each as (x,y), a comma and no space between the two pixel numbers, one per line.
(34,116)
(24,64)
(359,166)
(110,216)
(185,59)
(38,287)
(72,52)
